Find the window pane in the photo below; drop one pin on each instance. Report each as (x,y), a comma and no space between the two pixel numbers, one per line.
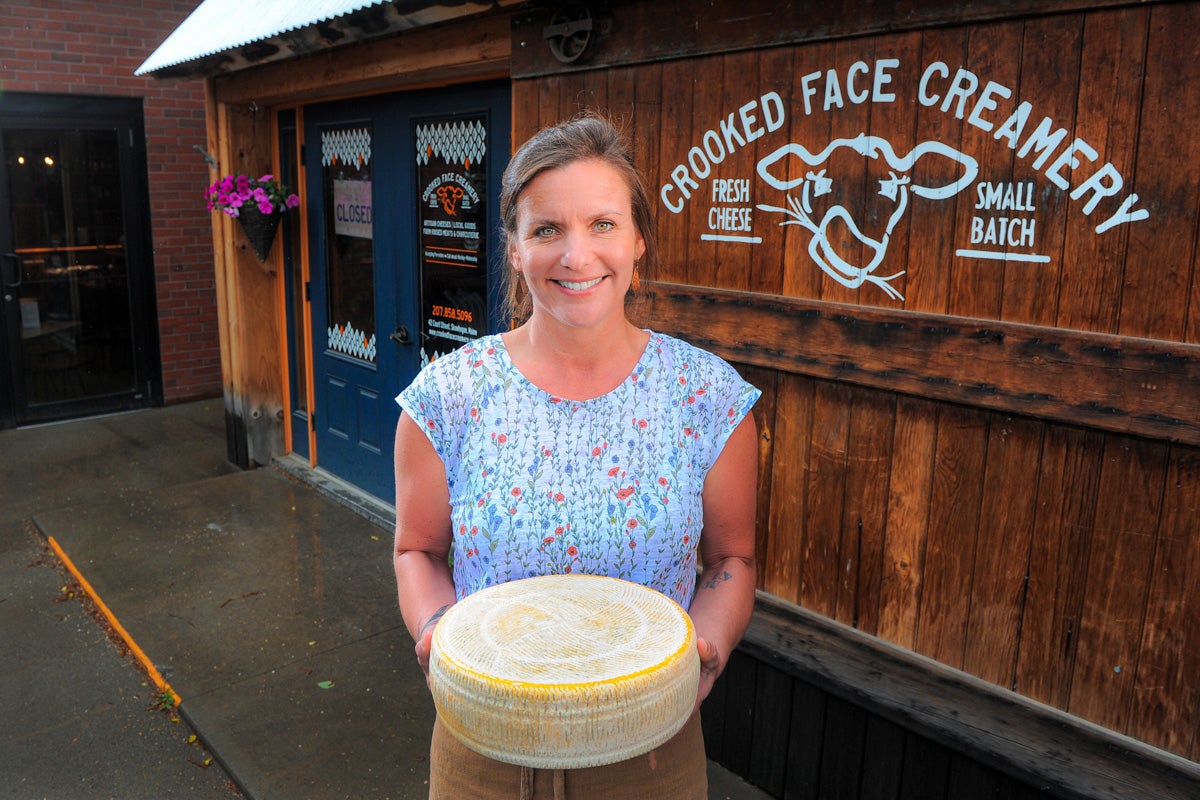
(349,233)
(68,232)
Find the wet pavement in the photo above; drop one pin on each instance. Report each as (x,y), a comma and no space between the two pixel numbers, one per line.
(268,605)
(77,717)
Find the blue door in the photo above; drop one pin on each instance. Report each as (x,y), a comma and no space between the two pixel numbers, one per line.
(386,250)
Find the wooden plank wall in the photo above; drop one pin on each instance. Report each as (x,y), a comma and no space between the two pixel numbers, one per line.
(1052,554)
(793,739)
(247,301)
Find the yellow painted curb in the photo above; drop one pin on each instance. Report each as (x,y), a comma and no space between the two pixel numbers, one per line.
(147,664)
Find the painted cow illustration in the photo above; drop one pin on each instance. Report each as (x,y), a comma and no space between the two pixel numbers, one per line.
(852,221)
(449,195)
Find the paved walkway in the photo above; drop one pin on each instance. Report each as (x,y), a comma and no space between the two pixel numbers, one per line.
(268,606)
(77,718)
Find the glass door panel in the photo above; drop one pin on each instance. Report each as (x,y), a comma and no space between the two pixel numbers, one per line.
(67,266)
(350,417)
(350,238)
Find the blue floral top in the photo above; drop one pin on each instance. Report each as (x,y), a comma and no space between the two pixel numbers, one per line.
(609,486)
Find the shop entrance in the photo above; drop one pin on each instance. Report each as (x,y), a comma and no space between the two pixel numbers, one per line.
(402,219)
(77,283)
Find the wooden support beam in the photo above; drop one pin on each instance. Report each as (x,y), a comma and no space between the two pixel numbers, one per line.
(478,49)
(1142,387)
(639,31)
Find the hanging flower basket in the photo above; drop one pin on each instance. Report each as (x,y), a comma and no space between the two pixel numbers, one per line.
(260,229)
(257,204)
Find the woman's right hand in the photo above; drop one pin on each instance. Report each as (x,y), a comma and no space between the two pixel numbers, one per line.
(425,640)
(423,646)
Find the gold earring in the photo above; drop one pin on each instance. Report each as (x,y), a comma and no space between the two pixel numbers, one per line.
(636,283)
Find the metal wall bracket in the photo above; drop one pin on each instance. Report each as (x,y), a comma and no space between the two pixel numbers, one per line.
(572,32)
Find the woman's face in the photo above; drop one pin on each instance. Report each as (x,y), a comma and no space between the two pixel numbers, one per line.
(575,243)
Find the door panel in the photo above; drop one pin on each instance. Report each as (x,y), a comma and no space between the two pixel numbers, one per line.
(75,268)
(366,167)
(349,286)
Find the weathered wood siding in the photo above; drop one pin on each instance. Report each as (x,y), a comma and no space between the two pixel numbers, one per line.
(241,130)
(248,301)
(794,740)
(991,462)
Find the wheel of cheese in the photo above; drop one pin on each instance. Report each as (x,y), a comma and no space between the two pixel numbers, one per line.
(564,671)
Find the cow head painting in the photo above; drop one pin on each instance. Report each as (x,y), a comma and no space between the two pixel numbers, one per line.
(449,195)
(851,221)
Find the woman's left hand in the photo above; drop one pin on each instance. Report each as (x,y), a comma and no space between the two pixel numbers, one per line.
(710,668)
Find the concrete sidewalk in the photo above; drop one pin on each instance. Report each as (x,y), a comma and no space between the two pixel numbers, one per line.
(77,718)
(267,604)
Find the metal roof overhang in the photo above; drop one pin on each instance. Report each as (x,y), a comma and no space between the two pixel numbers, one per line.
(223,36)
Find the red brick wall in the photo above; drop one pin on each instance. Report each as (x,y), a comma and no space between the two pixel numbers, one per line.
(93,48)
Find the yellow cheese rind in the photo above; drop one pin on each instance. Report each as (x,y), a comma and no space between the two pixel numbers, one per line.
(564,671)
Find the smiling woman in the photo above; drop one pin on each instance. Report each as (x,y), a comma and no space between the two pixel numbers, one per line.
(570,145)
(577,444)
(576,251)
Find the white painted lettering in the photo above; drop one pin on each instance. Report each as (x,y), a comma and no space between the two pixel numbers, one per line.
(729,218)
(963,86)
(1067,159)
(862,83)
(923,94)
(772,106)
(1005,196)
(1003,231)
(1104,182)
(986,103)
(1023,203)
(684,181)
(883,77)
(681,181)
(730,133)
(664,194)
(733,132)
(714,147)
(833,91)
(856,97)
(1124,214)
(1027,227)
(749,124)
(699,163)
(731,190)
(958,92)
(1010,129)
(991,195)
(985,191)
(808,90)
(1043,141)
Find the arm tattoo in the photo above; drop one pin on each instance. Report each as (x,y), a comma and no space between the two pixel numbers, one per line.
(433,620)
(713,582)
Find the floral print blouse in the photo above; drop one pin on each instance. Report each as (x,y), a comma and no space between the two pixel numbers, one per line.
(608,486)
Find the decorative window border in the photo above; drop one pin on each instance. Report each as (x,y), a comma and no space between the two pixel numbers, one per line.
(347,145)
(457,142)
(351,341)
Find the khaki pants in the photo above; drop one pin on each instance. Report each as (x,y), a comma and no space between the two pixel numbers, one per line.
(675,770)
